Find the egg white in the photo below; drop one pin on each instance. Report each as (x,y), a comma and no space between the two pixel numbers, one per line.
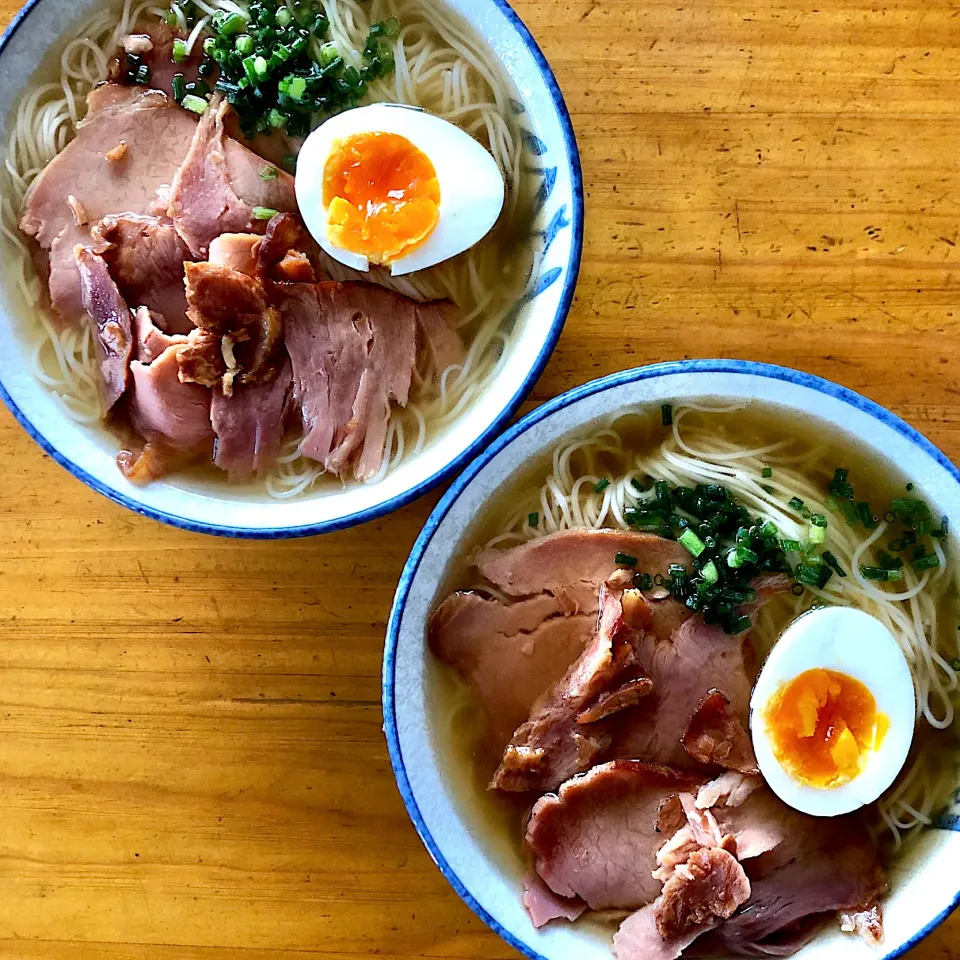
(472,190)
(852,642)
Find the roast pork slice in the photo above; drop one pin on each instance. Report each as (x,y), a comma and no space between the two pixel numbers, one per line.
(639,938)
(150,341)
(113,329)
(570,725)
(824,866)
(166,410)
(155,134)
(695,660)
(715,735)
(507,654)
(597,838)
(353,347)
(250,424)
(544,905)
(218,186)
(572,564)
(146,258)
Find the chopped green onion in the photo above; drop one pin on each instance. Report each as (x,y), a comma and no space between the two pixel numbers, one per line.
(909,508)
(841,474)
(766,473)
(178,87)
(929,562)
(817,534)
(244,44)
(643,581)
(625,560)
(692,542)
(180,52)
(264,213)
(329,53)
(533,519)
(278,121)
(813,574)
(790,546)
(819,520)
(210,46)
(909,487)
(865,514)
(170,18)
(833,563)
(740,625)
(879,573)
(269,173)
(284,17)
(230,25)
(194,104)
(710,573)
(601,485)
(797,504)
(666,413)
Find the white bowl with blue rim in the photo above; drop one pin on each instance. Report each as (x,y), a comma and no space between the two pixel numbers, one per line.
(41,29)
(925,883)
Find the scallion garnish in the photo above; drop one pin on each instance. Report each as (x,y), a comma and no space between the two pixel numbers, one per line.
(666,412)
(180,52)
(601,485)
(195,104)
(264,213)
(879,573)
(269,173)
(766,473)
(643,581)
(833,563)
(710,573)
(692,542)
(625,560)
(929,562)
(533,519)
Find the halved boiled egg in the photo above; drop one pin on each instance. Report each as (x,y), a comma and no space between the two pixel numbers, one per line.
(833,712)
(396,186)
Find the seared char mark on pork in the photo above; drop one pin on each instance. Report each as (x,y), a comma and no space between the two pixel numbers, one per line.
(555,743)
(716,736)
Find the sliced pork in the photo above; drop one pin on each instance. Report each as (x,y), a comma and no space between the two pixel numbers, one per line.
(826,866)
(710,884)
(639,938)
(218,186)
(146,258)
(164,409)
(715,735)
(112,325)
(511,653)
(572,564)
(354,349)
(156,135)
(508,654)
(567,731)
(696,659)
(241,329)
(250,425)
(597,838)
(544,905)
(150,341)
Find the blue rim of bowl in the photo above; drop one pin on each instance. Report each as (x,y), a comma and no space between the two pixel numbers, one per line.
(506,414)
(409,574)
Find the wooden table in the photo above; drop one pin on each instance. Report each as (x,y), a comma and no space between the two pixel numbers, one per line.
(191,759)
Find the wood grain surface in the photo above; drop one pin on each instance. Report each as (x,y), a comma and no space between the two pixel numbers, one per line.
(191,758)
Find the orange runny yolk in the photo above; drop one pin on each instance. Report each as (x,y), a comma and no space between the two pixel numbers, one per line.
(382,196)
(822,726)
